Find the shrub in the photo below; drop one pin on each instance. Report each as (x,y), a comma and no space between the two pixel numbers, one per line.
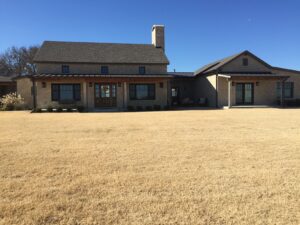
(130,108)
(12,101)
(80,108)
(156,107)
(50,109)
(149,108)
(139,108)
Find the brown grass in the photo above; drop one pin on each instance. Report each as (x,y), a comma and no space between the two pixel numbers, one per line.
(178,167)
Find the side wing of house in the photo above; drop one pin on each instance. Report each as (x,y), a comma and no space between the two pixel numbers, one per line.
(206,87)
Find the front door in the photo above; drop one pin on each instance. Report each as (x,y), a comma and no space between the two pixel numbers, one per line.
(244,93)
(105,95)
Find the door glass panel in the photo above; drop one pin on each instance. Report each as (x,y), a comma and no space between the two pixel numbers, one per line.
(248,93)
(239,93)
(113,90)
(105,91)
(97,91)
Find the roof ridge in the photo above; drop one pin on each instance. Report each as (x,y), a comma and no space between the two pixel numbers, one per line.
(88,42)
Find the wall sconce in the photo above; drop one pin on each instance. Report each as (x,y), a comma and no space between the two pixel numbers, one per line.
(257,83)
(44,85)
(233,83)
(161,84)
(119,84)
(90,84)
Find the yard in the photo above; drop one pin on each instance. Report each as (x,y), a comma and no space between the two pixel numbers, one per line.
(239,166)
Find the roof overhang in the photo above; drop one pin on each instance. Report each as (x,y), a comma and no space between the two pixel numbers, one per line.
(258,76)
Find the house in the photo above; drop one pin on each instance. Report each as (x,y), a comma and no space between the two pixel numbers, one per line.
(119,76)
(241,79)
(7,85)
(99,75)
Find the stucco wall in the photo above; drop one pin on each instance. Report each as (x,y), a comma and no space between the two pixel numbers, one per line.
(205,86)
(96,68)
(24,89)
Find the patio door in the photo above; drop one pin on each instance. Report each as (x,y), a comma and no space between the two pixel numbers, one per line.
(244,94)
(105,95)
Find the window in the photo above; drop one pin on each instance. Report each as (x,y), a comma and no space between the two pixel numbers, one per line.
(142,70)
(104,69)
(65,69)
(288,89)
(65,92)
(105,91)
(245,62)
(142,91)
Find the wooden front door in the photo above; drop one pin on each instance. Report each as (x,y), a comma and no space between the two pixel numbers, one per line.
(105,95)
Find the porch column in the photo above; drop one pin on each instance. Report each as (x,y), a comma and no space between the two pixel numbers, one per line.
(282,93)
(125,100)
(229,93)
(84,93)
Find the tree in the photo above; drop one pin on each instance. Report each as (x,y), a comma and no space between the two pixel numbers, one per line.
(18,61)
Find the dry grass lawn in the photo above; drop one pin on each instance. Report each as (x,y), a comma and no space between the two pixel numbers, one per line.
(239,166)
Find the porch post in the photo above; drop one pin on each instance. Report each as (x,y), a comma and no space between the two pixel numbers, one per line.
(229,93)
(282,93)
(84,93)
(125,100)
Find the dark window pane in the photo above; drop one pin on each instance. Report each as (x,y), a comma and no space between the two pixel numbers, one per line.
(97,91)
(66,92)
(245,62)
(142,70)
(113,90)
(288,89)
(65,69)
(104,69)
(132,91)
(151,91)
(142,91)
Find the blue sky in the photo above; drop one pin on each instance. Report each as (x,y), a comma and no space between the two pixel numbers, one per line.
(197,32)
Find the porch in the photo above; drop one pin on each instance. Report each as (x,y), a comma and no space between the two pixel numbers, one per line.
(250,90)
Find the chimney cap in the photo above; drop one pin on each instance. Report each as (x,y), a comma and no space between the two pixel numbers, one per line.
(157,25)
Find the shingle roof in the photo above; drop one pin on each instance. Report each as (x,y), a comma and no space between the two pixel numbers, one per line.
(85,52)
(181,74)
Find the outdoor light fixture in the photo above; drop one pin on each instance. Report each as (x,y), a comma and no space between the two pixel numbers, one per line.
(233,83)
(44,84)
(90,84)
(119,84)
(257,83)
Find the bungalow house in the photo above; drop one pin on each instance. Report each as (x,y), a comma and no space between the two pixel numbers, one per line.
(106,75)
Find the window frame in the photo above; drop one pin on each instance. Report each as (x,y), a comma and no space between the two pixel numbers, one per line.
(291,89)
(142,68)
(102,70)
(67,67)
(56,94)
(151,94)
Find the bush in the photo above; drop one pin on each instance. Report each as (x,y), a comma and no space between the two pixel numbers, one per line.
(156,107)
(149,108)
(12,101)
(139,108)
(130,108)
(80,108)
(50,109)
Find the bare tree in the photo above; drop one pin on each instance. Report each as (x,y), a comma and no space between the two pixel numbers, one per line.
(18,61)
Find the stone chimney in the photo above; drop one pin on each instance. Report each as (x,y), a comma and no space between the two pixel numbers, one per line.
(158,36)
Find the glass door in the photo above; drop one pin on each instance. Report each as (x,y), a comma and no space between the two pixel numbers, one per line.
(244,93)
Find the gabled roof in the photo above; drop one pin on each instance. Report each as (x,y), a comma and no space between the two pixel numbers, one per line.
(86,52)
(217,65)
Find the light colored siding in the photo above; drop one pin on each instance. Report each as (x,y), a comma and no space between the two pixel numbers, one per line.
(96,68)
(205,87)
(237,65)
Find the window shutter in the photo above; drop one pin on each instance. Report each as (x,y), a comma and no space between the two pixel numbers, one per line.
(55,92)
(132,93)
(151,91)
(76,92)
